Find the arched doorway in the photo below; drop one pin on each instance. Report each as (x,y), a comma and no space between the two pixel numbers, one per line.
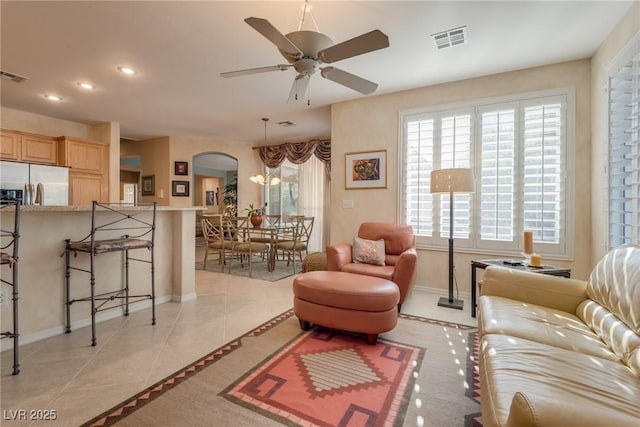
(214,176)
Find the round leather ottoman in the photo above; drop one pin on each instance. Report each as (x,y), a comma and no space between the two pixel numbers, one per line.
(346,301)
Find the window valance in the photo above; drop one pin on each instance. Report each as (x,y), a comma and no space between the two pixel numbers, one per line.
(299,152)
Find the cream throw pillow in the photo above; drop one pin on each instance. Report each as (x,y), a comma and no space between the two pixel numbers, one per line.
(368,251)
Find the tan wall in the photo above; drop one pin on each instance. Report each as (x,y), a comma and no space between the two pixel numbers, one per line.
(624,31)
(43,125)
(372,123)
(183,149)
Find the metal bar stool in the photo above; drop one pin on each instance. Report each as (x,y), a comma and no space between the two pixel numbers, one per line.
(9,243)
(113,218)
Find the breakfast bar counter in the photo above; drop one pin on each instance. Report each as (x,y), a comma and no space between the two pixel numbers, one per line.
(43,230)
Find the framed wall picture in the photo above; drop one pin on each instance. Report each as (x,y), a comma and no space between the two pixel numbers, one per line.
(181,168)
(210,198)
(179,188)
(148,185)
(367,169)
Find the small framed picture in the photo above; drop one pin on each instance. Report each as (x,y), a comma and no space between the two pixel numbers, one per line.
(367,169)
(179,188)
(148,185)
(210,198)
(181,168)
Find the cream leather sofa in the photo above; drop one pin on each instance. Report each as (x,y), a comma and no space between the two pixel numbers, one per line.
(562,352)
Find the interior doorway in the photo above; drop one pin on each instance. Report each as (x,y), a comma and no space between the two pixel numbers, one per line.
(213,174)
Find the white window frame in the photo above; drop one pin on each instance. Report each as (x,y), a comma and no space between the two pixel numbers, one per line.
(560,251)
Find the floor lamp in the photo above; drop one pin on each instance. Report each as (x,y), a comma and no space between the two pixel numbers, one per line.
(459,180)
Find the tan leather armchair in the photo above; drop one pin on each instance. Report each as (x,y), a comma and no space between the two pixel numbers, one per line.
(400,258)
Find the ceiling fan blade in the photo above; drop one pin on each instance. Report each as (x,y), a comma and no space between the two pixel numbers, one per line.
(349,80)
(272,34)
(364,43)
(299,88)
(279,67)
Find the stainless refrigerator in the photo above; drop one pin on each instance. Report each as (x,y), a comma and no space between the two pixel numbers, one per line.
(36,184)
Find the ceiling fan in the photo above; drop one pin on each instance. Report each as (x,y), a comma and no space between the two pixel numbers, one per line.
(306,50)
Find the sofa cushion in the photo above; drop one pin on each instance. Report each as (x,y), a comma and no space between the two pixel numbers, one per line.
(368,251)
(607,390)
(615,334)
(540,324)
(613,284)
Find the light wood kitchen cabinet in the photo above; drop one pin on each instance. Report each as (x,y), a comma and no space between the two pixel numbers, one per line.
(10,146)
(28,148)
(83,156)
(85,188)
(89,169)
(38,149)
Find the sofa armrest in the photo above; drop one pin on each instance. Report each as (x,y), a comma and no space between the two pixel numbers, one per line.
(404,273)
(338,256)
(531,410)
(534,288)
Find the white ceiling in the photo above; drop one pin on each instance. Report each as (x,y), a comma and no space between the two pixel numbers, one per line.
(180,49)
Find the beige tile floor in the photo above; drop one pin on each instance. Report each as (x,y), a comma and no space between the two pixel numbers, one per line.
(64,373)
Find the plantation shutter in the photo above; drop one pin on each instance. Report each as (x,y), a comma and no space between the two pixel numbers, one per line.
(543,171)
(455,152)
(624,152)
(419,134)
(497,175)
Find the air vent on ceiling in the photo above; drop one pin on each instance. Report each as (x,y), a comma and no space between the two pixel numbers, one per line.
(286,123)
(12,77)
(450,38)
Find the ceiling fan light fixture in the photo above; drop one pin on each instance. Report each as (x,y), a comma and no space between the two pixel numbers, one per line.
(305,51)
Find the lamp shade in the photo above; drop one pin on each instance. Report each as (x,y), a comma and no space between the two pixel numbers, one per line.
(457,180)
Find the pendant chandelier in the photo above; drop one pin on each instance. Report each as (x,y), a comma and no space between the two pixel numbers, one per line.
(259,178)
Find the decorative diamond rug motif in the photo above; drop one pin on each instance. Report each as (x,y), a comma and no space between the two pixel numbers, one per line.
(328,378)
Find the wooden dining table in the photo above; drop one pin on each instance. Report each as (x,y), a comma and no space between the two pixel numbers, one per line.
(274,233)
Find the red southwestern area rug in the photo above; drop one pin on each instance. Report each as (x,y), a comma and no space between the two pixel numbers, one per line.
(332,379)
(421,373)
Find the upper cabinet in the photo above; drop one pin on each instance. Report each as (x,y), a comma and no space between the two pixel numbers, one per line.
(10,146)
(83,155)
(29,148)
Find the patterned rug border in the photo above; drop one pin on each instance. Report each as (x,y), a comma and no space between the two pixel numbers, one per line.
(132,404)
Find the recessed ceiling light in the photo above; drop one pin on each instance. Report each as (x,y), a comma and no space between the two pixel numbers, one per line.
(85,85)
(53,97)
(127,70)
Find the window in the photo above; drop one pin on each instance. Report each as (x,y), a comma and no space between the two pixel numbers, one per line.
(624,149)
(518,150)
(300,192)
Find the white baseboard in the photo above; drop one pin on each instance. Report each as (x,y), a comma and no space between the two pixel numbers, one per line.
(184,298)
(100,317)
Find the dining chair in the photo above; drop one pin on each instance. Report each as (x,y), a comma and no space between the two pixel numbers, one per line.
(242,244)
(213,229)
(302,228)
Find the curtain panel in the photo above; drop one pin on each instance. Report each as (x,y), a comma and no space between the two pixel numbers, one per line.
(298,153)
